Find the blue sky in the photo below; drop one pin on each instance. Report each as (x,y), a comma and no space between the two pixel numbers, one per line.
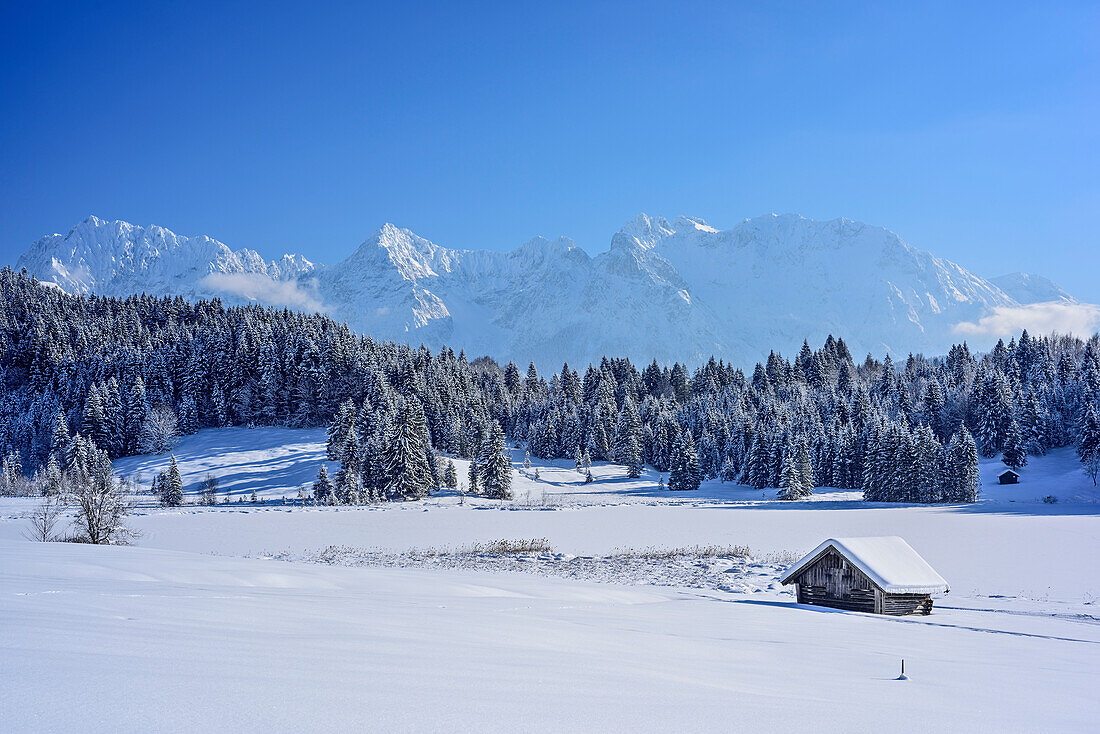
(972,132)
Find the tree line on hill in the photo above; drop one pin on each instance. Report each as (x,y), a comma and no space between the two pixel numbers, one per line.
(123,375)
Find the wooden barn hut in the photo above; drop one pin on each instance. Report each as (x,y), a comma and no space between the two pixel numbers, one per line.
(883,575)
(1009,477)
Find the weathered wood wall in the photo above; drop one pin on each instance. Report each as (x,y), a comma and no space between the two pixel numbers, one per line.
(831,581)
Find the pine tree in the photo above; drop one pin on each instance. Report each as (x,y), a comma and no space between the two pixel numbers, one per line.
(1015,452)
(494,467)
(961,478)
(927,469)
(450,476)
(322,488)
(94,422)
(805,468)
(59,439)
(1088,443)
(340,429)
(790,483)
(471,475)
(407,468)
(171,485)
(728,473)
(684,474)
(137,408)
(627,448)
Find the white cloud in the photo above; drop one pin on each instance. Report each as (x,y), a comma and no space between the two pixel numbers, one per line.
(1082,319)
(256,287)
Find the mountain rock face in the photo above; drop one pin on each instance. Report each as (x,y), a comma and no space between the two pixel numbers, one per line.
(678,290)
(1028,288)
(119,258)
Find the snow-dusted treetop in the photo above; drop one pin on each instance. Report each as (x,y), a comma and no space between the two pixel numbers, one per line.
(670,290)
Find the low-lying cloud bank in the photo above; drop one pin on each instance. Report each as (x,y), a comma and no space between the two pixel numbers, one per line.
(1082,319)
(260,288)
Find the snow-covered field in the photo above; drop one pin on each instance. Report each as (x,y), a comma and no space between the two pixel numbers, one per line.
(324,618)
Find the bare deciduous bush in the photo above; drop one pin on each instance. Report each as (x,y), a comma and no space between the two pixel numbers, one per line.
(208,490)
(101,504)
(159,431)
(44,519)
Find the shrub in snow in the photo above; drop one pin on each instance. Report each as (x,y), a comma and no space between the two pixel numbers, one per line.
(208,490)
(44,519)
(101,505)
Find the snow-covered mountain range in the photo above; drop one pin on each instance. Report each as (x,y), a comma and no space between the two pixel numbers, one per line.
(670,290)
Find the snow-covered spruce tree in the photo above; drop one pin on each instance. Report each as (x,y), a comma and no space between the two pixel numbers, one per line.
(628,439)
(93,422)
(1088,443)
(927,470)
(1014,450)
(136,410)
(961,476)
(348,479)
(188,415)
(450,476)
(494,468)
(994,411)
(471,476)
(728,473)
(407,472)
(323,487)
(171,485)
(684,474)
(59,439)
(805,467)
(790,483)
(340,429)
(53,479)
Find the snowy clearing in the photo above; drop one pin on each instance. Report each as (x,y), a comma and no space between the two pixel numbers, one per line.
(158,640)
(399,616)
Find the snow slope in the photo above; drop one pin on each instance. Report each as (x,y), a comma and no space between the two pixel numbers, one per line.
(678,290)
(352,629)
(168,641)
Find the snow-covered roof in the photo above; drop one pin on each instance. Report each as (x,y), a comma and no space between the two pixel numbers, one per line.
(888,561)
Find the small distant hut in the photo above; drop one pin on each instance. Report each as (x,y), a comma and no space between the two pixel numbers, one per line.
(881,575)
(1009,477)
